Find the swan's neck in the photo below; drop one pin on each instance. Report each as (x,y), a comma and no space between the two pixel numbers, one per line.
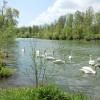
(90,57)
(53,53)
(45,53)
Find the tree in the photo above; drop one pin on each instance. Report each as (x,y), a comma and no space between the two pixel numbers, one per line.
(98,22)
(8,21)
(78,25)
(68,26)
(60,26)
(10,17)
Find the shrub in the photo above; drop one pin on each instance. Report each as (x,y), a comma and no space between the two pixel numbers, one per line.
(51,93)
(6,72)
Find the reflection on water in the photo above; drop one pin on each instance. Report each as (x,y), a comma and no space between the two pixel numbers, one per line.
(66,75)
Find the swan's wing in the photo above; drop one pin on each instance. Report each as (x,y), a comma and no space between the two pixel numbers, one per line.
(50,57)
(84,70)
(58,61)
(87,68)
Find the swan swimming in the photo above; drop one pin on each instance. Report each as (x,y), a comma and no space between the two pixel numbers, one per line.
(88,70)
(48,57)
(37,53)
(59,61)
(23,49)
(70,57)
(91,62)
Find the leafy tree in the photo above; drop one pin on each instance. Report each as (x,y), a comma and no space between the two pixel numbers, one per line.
(8,21)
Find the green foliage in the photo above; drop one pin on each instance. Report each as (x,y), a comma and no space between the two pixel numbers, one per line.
(52,93)
(80,25)
(6,72)
(2,58)
(42,93)
(8,22)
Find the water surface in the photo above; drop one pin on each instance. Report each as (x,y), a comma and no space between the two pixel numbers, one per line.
(66,76)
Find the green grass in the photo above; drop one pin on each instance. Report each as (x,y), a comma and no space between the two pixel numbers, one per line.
(42,93)
(6,72)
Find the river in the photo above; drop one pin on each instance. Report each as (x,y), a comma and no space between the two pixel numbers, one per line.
(68,76)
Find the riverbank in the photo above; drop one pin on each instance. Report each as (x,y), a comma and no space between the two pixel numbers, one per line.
(42,93)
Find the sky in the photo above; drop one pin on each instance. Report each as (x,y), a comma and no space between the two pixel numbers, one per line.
(40,12)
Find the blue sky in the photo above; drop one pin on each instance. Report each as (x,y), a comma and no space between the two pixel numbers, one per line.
(37,12)
(29,9)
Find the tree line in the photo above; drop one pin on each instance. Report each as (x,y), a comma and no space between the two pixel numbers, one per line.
(80,25)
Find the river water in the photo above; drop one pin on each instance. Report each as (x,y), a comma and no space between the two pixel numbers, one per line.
(68,76)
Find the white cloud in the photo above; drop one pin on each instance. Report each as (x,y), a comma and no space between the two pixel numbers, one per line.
(62,7)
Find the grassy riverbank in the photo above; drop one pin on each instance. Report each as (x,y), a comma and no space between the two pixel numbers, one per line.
(42,93)
(5,71)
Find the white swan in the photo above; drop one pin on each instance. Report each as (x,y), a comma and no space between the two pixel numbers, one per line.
(37,53)
(70,57)
(23,49)
(88,70)
(42,55)
(59,61)
(48,57)
(91,62)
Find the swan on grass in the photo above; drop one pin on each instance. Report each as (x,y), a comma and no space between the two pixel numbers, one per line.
(91,62)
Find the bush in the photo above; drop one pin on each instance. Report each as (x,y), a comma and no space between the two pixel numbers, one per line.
(51,93)
(6,72)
